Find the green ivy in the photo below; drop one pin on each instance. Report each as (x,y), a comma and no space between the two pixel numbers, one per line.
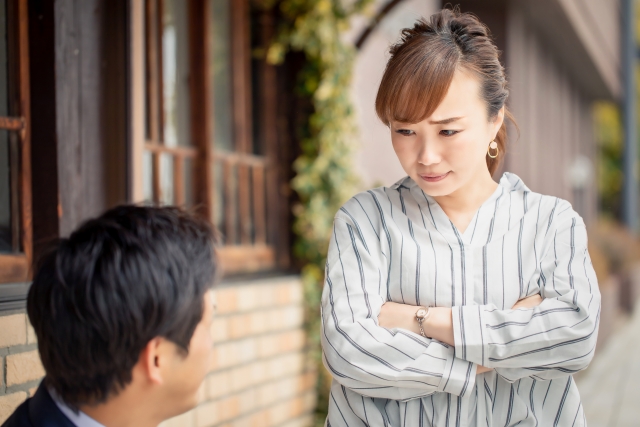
(609,139)
(324,177)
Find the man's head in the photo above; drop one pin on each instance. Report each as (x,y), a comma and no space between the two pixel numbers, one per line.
(123,303)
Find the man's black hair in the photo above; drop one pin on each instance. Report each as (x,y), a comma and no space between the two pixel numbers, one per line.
(120,280)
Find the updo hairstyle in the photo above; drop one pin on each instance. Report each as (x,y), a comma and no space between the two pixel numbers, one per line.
(422,64)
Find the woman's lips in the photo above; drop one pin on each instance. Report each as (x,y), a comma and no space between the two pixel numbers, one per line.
(434,178)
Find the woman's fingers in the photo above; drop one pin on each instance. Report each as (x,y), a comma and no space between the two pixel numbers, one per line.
(482,370)
(529,302)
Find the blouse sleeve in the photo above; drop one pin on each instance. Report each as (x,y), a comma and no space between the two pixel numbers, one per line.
(556,338)
(361,355)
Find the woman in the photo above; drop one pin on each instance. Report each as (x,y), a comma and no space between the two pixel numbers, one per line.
(450,299)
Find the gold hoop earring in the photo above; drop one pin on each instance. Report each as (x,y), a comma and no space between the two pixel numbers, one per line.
(493,146)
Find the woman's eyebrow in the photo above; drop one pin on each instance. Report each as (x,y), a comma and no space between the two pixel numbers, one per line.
(445,121)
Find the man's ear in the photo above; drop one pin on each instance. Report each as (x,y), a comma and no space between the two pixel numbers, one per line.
(152,359)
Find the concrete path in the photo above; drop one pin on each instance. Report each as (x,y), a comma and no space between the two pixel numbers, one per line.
(610,387)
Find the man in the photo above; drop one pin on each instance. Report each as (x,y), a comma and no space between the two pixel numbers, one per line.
(122,310)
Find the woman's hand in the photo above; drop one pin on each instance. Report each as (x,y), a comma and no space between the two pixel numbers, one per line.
(437,325)
(482,369)
(528,302)
(394,315)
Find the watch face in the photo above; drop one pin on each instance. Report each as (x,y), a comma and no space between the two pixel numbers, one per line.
(421,313)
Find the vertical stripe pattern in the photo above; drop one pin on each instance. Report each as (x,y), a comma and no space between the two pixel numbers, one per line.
(397,244)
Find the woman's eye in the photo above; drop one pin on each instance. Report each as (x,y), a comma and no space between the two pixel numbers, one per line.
(405,132)
(448,132)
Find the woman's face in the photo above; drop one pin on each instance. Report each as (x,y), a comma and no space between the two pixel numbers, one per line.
(447,151)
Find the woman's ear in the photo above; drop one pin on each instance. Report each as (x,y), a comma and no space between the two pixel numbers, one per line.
(498,121)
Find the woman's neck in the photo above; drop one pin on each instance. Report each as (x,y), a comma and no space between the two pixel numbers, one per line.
(461,205)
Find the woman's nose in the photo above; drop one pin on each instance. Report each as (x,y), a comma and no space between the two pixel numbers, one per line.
(429,154)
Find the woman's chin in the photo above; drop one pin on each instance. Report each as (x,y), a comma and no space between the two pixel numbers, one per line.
(439,188)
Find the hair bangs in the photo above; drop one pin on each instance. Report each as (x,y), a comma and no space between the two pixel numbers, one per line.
(413,85)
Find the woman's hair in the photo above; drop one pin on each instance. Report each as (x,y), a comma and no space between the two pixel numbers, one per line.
(422,65)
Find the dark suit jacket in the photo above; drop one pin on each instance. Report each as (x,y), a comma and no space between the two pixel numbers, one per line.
(38,411)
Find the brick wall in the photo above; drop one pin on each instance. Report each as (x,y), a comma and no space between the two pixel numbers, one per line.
(260,376)
(20,368)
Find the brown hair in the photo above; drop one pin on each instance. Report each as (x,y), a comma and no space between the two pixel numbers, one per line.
(422,65)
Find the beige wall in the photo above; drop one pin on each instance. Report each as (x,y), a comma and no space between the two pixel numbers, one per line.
(374,159)
(560,56)
(260,374)
(554,116)
(597,23)
(585,35)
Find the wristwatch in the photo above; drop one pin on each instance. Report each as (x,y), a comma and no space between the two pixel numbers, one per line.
(421,315)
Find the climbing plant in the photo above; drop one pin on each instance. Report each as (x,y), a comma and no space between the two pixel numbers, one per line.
(609,139)
(324,179)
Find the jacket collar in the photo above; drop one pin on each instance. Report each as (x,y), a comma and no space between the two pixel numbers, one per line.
(43,412)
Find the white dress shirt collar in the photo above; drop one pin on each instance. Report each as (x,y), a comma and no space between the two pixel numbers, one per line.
(78,418)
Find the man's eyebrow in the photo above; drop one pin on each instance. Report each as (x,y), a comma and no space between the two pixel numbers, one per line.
(445,121)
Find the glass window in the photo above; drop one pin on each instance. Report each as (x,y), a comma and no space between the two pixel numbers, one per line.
(147,176)
(15,196)
(169,150)
(5,194)
(166,179)
(4,52)
(175,73)
(239,76)
(220,162)
(6,240)
(220,74)
(258,49)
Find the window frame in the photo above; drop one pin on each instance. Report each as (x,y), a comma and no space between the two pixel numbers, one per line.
(15,268)
(253,253)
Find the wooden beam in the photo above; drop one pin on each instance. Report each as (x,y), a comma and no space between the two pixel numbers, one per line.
(43,129)
(244,204)
(199,86)
(178,181)
(241,76)
(153,48)
(230,202)
(241,158)
(174,151)
(12,123)
(245,259)
(155,178)
(25,134)
(259,211)
(14,268)
(137,100)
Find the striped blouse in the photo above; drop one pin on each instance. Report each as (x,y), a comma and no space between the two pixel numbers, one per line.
(397,244)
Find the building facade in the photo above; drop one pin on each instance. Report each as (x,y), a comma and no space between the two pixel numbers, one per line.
(158,101)
(560,56)
(169,101)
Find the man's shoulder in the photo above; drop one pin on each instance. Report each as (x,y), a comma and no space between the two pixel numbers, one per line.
(20,417)
(38,411)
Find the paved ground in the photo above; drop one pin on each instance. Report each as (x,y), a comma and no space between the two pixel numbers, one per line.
(610,387)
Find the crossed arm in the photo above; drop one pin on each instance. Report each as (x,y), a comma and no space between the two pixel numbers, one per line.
(438,323)
(367,347)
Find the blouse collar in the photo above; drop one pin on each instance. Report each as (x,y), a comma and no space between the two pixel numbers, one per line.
(509,182)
